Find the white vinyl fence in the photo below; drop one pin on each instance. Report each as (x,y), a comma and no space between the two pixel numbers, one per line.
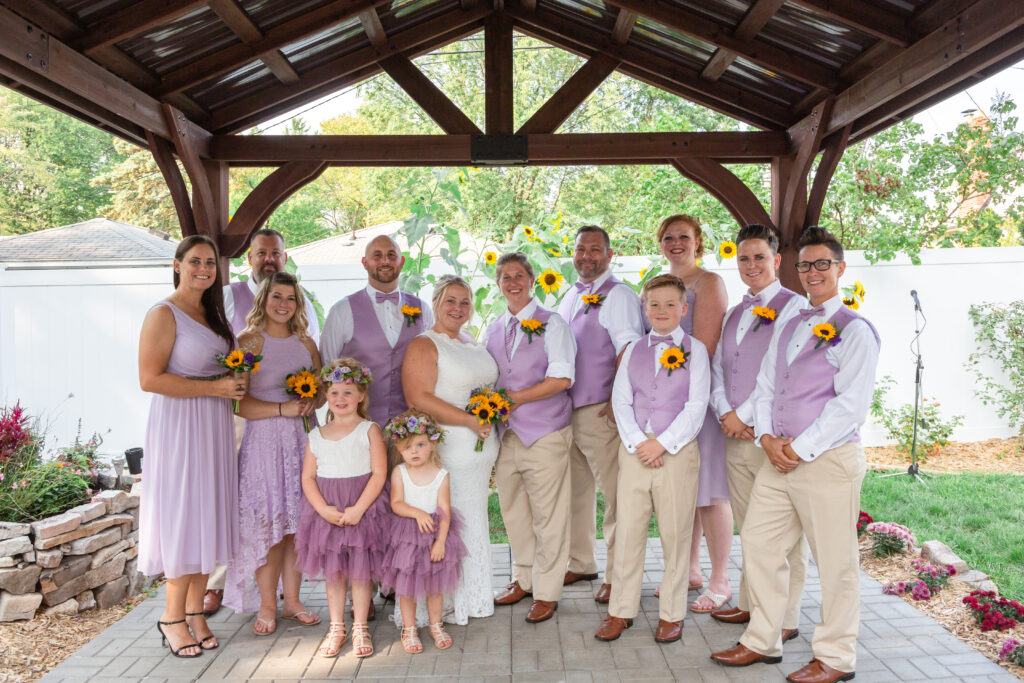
(69,338)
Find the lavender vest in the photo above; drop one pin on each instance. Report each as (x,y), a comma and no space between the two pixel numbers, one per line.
(529,366)
(595,352)
(803,388)
(741,362)
(369,345)
(657,397)
(243,299)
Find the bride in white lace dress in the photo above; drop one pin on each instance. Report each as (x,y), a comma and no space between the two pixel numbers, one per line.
(441,368)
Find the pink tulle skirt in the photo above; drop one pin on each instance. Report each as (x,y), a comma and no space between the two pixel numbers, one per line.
(356,553)
(407,566)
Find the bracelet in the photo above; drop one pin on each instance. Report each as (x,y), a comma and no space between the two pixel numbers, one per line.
(279,413)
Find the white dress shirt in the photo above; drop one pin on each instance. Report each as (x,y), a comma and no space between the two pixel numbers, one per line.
(340,325)
(559,344)
(685,426)
(620,313)
(745,410)
(856,358)
(314,322)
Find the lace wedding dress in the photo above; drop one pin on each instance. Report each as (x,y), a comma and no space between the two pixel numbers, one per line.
(464,365)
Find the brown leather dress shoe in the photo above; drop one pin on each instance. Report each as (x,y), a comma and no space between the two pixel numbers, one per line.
(573,577)
(731,615)
(818,672)
(211,602)
(668,631)
(741,655)
(789,634)
(604,594)
(512,594)
(541,610)
(612,628)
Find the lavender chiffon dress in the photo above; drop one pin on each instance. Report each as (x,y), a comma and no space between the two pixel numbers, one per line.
(188,521)
(356,553)
(713,484)
(269,472)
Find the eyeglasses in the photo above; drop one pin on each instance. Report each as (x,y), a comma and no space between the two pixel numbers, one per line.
(820,264)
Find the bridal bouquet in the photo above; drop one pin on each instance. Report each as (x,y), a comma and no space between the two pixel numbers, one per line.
(238,362)
(302,384)
(489,407)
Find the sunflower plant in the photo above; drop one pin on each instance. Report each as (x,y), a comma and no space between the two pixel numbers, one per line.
(303,383)
(853,295)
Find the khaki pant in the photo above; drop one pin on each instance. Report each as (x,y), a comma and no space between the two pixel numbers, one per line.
(821,499)
(534,491)
(743,460)
(593,459)
(671,491)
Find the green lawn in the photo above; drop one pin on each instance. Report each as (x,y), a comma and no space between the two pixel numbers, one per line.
(498,526)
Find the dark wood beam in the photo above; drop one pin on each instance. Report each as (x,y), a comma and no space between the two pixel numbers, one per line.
(738,199)
(498,91)
(454,150)
(757,51)
(877,21)
(187,146)
(624,22)
(570,96)
(428,96)
(163,154)
(373,28)
(236,19)
(133,20)
(430,33)
(257,207)
(835,145)
(235,56)
(756,16)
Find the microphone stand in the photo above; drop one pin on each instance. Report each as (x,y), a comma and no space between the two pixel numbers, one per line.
(920,321)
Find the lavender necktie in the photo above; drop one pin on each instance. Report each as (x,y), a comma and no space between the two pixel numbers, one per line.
(510,337)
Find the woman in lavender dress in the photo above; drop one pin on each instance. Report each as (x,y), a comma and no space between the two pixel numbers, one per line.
(188,522)
(270,458)
(682,242)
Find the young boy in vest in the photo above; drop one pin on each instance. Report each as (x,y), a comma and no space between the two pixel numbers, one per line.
(659,397)
(812,395)
(747,330)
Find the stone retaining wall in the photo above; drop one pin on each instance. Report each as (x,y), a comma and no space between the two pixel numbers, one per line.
(84,558)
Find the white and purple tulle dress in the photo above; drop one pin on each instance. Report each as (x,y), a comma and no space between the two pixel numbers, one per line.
(342,472)
(407,566)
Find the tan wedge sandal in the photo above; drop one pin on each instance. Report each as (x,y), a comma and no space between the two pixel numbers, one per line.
(332,642)
(361,640)
(411,642)
(442,641)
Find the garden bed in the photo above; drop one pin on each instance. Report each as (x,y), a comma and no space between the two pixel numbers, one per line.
(990,455)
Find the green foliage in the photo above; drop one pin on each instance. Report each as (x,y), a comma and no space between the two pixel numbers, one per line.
(933,430)
(886,545)
(999,331)
(42,491)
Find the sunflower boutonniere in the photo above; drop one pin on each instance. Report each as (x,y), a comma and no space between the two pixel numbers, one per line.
(592,300)
(674,358)
(532,326)
(411,313)
(764,315)
(827,333)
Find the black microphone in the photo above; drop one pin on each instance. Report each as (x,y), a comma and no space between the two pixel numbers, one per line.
(917,302)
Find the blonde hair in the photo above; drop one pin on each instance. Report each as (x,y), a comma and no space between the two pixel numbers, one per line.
(363,409)
(256,320)
(698,234)
(663,280)
(402,442)
(444,283)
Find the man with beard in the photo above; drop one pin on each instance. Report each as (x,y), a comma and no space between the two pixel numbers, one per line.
(604,315)
(386,319)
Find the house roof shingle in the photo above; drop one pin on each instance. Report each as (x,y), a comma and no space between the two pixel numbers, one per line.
(98,239)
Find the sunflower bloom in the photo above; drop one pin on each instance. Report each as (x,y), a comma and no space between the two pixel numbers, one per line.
(550,281)
(554,252)
(858,290)
(673,358)
(528,231)
(234,359)
(643,273)
(851,302)
(825,331)
(727,249)
(490,258)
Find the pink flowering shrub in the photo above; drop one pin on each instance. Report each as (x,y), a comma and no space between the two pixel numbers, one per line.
(890,538)
(1012,652)
(994,613)
(930,580)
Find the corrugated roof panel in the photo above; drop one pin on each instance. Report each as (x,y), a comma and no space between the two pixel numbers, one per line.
(747,75)
(89,11)
(672,43)
(333,42)
(267,14)
(402,14)
(581,9)
(815,36)
(191,36)
(727,13)
(234,85)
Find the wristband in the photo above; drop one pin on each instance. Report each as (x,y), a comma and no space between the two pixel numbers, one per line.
(279,413)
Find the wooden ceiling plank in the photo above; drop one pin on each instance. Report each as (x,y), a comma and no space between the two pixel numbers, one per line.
(499,111)
(553,113)
(133,20)
(757,51)
(872,19)
(754,19)
(235,56)
(428,96)
(624,22)
(235,18)
(48,16)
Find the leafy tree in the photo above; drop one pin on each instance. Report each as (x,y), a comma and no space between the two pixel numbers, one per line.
(138,193)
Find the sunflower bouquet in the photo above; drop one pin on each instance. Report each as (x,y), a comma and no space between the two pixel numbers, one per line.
(239,362)
(489,406)
(302,383)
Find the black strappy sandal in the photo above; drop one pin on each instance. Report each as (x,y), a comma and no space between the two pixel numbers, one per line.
(164,641)
(202,640)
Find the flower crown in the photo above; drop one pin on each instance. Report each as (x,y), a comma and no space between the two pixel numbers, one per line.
(403,427)
(347,374)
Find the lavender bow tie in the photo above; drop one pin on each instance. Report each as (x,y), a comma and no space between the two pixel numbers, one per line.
(811,312)
(581,287)
(749,300)
(392,297)
(657,339)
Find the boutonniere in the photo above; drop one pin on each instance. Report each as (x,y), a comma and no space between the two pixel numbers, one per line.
(827,333)
(531,327)
(764,315)
(674,358)
(411,313)
(594,300)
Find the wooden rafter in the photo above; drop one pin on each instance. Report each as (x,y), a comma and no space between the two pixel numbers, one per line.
(187,146)
(373,28)
(498,91)
(806,138)
(759,14)
(570,96)
(872,19)
(738,199)
(624,22)
(757,51)
(235,56)
(236,19)
(428,96)
(163,154)
(133,20)
(835,145)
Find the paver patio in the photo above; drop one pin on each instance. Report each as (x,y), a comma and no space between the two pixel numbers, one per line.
(897,643)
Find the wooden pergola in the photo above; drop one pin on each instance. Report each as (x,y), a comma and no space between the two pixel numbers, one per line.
(185,77)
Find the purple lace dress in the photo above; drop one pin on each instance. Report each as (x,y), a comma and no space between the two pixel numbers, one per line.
(188,518)
(269,473)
